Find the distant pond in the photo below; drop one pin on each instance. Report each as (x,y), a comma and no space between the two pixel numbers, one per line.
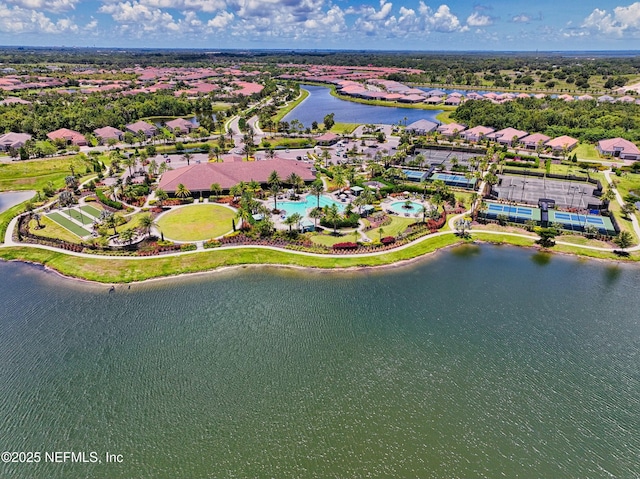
(320,103)
(12,198)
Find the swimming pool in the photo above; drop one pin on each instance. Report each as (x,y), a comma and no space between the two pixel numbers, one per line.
(310,201)
(399,208)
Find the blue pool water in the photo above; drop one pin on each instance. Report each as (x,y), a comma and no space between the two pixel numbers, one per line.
(310,201)
(399,208)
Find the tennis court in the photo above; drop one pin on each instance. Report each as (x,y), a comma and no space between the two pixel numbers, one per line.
(413,175)
(573,221)
(519,214)
(69,225)
(567,194)
(454,180)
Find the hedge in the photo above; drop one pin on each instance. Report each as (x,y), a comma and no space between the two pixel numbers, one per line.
(116,205)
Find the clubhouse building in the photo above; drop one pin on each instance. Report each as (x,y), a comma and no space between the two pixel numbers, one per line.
(199,177)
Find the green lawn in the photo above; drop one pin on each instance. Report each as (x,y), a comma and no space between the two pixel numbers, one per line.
(397,226)
(277,118)
(196,222)
(344,128)
(586,151)
(51,229)
(108,270)
(35,174)
(327,239)
(68,224)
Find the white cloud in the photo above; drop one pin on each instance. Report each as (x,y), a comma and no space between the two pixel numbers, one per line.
(220,21)
(476,19)
(622,21)
(49,5)
(442,20)
(522,18)
(17,20)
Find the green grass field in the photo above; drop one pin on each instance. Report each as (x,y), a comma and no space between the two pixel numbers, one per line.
(196,222)
(35,174)
(68,224)
(51,229)
(344,128)
(327,239)
(397,226)
(586,151)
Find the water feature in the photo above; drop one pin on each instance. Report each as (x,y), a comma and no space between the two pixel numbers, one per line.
(478,362)
(320,103)
(308,202)
(11,198)
(400,207)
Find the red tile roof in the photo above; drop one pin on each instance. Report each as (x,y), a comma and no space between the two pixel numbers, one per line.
(200,177)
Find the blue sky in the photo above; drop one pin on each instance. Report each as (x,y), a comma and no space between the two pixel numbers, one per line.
(324,24)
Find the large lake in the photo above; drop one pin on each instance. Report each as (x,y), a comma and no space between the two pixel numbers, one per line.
(11,198)
(320,103)
(477,362)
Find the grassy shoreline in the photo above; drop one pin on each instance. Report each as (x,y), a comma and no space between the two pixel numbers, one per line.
(110,271)
(277,118)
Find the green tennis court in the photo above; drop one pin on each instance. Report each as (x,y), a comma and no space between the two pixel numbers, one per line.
(91,210)
(68,224)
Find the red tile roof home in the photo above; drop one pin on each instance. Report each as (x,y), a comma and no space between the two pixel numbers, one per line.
(107,133)
(506,135)
(200,177)
(411,99)
(146,128)
(476,133)
(619,148)
(532,141)
(421,127)
(12,100)
(451,129)
(180,125)
(327,138)
(625,99)
(247,88)
(558,144)
(68,136)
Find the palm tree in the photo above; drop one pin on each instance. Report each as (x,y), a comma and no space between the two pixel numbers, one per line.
(146,223)
(255,188)
(274,179)
(71,182)
(624,240)
(236,190)
(380,233)
(243,214)
(188,157)
(215,189)
(317,189)
(153,167)
(338,179)
(182,191)
(333,216)
(109,220)
(275,189)
(65,198)
(37,216)
(161,195)
(127,235)
(293,219)
(316,214)
(130,162)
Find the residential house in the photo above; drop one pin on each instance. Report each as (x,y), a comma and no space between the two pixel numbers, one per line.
(68,137)
(619,148)
(421,127)
(13,141)
(507,136)
(142,126)
(327,139)
(451,129)
(562,143)
(107,133)
(531,142)
(477,133)
(179,126)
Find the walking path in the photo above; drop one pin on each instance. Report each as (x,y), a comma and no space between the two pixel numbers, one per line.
(9,242)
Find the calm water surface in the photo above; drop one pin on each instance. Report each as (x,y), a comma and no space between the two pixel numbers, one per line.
(11,198)
(480,362)
(320,103)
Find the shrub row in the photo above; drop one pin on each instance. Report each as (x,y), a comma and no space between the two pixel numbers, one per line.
(346,245)
(116,205)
